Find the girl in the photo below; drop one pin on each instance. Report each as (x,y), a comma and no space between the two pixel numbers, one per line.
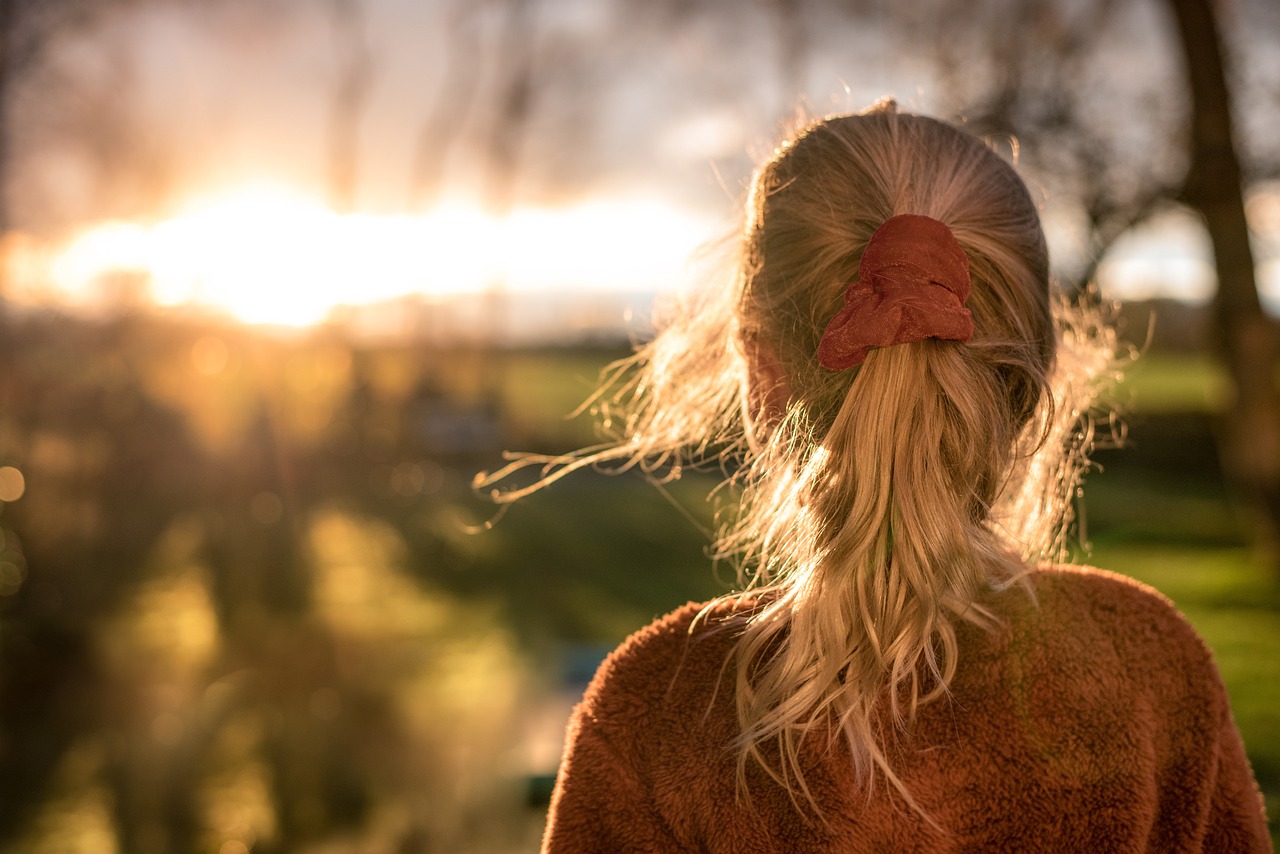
(906,410)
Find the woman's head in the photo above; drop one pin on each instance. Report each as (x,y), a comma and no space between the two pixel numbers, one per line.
(812,210)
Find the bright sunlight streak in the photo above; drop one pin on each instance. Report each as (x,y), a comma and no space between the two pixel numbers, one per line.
(267,255)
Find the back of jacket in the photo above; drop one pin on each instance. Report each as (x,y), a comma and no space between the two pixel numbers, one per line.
(1093,719)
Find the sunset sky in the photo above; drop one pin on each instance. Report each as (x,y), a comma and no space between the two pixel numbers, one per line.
(195,148)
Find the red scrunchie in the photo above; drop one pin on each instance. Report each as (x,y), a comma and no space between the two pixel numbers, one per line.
(912,283)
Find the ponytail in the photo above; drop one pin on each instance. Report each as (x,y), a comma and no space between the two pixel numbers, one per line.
(880,544)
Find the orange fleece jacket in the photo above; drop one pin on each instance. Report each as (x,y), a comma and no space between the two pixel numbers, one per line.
(1095,721)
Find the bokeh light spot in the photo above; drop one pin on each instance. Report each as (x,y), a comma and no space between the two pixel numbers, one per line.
(11,577)
(407,479)
(12,484)
(209,355)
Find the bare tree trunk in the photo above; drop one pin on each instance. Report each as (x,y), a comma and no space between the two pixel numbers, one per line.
(7,18)
(450,108)
(1250,440)
(514,105)
(355,74)
(504,146)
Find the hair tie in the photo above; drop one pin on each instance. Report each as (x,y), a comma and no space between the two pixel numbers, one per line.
(912,283)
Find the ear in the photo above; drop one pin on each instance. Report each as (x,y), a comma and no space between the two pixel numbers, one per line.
(767,392)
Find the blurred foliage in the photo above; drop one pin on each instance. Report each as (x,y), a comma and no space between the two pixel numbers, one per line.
(247,601)
(243,605)
(1174,383)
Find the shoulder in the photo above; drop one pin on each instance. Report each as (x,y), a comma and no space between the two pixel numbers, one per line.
(674,648)
(1076,595)
(665,673)
(1099,584)
(638,743)
(1099,621)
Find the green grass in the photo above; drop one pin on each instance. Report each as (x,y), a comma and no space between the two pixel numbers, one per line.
(1173,382)
(541,388)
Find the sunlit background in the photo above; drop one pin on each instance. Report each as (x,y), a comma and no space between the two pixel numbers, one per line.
(271,255)
(277,277)
(277,161)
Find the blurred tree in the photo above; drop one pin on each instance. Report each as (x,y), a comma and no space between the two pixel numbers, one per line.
(30,30)
(450,102)
(113,469)
(1051,80)
(490,77)
(355,76)
(1246,336)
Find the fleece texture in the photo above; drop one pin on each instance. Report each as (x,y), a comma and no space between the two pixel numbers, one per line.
(1091,721)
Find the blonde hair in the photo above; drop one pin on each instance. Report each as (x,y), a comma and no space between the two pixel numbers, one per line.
(889,500)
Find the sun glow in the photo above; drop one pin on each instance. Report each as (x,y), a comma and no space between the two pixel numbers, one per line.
(267,255)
